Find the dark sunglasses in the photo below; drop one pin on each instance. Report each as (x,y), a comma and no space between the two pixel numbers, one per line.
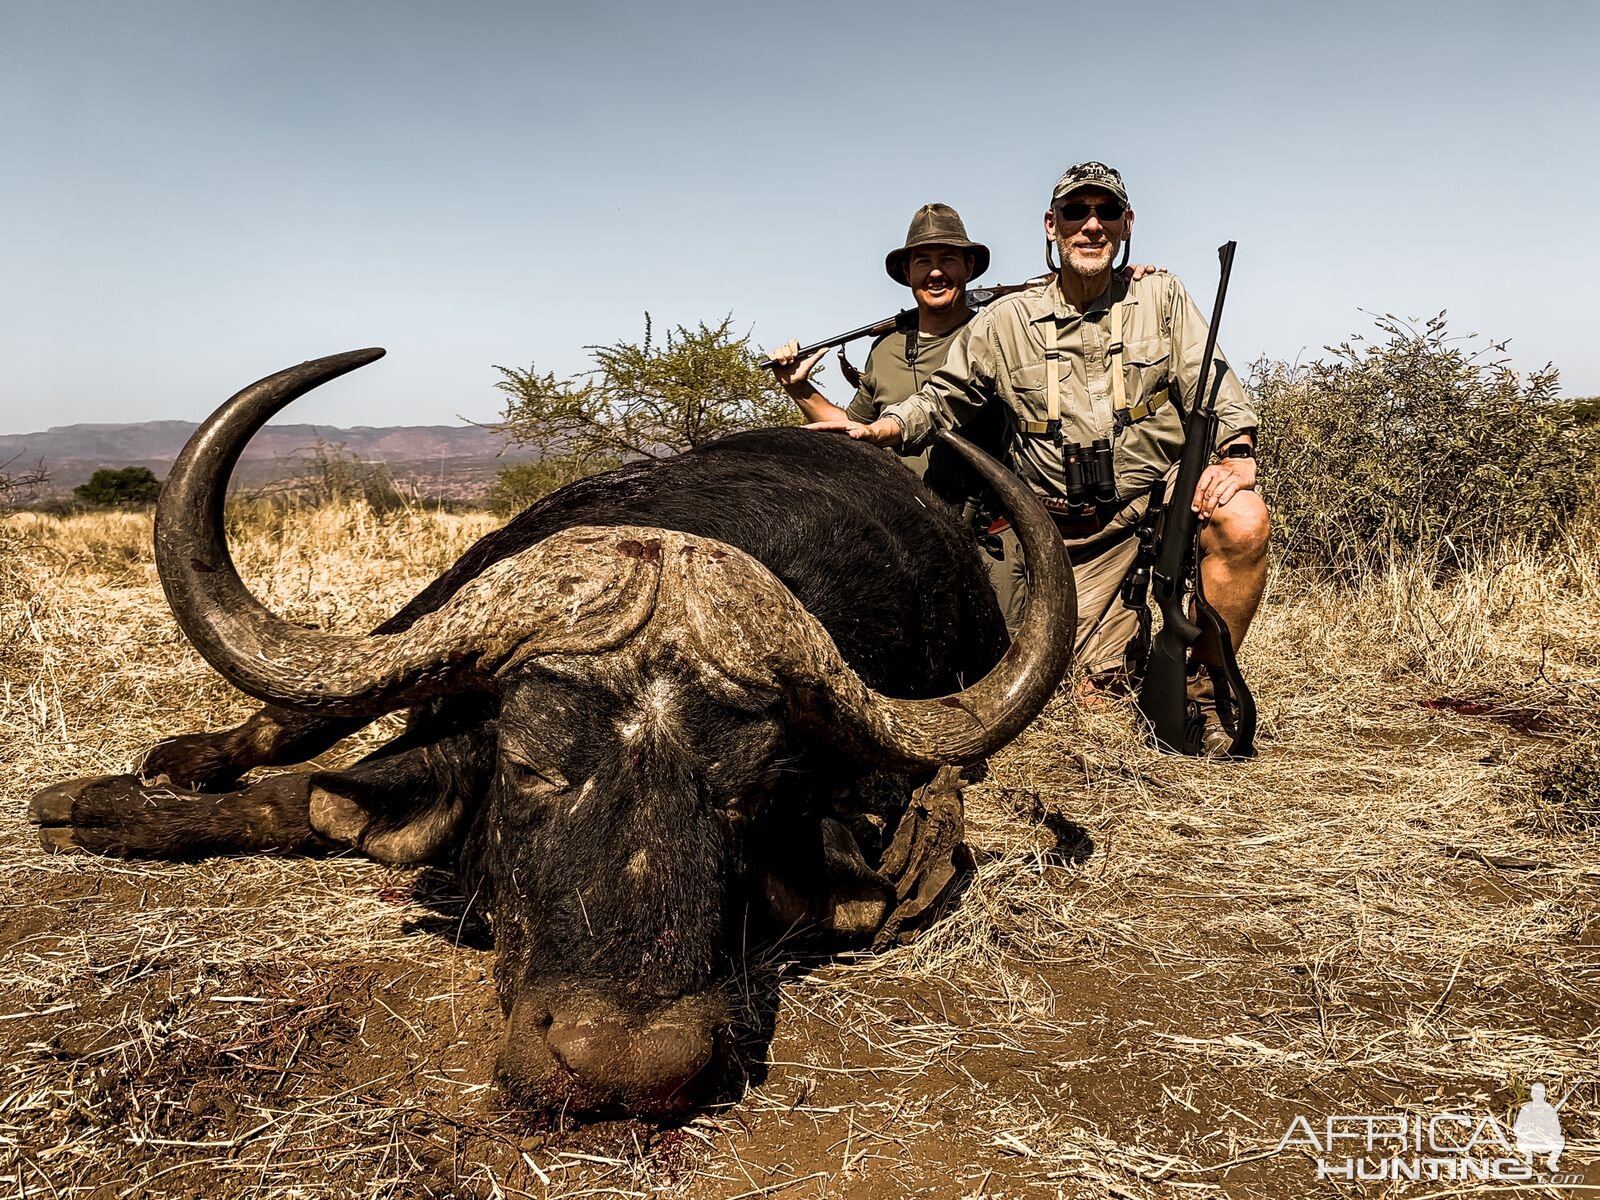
(1074,210)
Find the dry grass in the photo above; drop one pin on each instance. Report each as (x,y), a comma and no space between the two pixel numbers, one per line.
(1157,965)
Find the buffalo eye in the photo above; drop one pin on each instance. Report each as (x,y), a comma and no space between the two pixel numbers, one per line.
(527,777)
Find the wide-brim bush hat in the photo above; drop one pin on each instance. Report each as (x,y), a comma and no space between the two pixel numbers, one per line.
(935,225)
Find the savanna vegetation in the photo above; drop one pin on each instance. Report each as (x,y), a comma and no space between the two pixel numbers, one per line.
(1418,446)
(1157,964)
(643,399)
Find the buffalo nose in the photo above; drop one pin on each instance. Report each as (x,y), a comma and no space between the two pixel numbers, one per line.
(588,1054)
(660,1059)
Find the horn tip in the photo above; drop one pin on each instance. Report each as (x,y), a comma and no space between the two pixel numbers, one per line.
(335,365)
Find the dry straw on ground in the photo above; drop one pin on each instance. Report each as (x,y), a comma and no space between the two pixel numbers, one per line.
(1157,965)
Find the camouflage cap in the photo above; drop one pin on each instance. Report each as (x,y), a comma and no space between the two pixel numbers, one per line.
(935,225)
(1090,174)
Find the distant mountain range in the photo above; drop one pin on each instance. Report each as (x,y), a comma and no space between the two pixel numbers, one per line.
(451,461)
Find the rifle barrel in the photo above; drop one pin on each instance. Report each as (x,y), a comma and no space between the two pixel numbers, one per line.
(1225,256)
(840,339)
(976,298)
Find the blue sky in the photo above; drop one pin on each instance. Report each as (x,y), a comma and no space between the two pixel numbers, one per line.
(197,194)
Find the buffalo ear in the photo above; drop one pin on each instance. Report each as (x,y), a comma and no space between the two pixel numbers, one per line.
(830,886)
(857,898)
(927,858)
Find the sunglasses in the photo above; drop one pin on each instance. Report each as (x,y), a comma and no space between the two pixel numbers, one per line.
(1073,210)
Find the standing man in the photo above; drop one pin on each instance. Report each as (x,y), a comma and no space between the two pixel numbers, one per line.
(1094,354)
(937,262)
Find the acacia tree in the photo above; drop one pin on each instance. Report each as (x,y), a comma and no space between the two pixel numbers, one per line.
(129,485)
(644,399)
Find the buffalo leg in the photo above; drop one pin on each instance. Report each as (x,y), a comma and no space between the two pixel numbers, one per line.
(404,803)
(272,737)
(120,815)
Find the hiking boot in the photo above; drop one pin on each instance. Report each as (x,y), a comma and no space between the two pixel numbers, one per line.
(1095,691)
(1216,741)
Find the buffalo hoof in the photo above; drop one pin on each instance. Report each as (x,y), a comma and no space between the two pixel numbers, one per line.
(201,762)
(68,814)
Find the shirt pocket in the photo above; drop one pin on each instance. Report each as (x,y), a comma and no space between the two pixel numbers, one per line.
(1148,374)
(1026,384)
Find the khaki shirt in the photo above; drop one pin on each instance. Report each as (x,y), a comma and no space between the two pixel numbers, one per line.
(889,379)
(1003,358)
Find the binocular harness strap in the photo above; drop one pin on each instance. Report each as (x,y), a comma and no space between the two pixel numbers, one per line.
(1052,375)
(1119,382)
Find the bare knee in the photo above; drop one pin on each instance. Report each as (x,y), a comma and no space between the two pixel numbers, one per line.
(1238,531)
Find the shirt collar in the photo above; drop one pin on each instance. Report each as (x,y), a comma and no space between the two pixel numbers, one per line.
(1056,305)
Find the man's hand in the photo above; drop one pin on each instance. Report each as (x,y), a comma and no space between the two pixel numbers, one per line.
(885,431)
(1220,482)
(791,373)
(1137,271)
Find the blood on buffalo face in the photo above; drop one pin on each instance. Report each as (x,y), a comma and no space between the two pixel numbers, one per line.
(612,851)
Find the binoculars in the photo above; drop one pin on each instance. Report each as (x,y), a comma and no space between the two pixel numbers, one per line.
(1090,474)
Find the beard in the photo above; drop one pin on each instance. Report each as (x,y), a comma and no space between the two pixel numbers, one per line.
(1089,263)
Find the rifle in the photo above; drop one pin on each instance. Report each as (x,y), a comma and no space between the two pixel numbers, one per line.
(976,298)
(1163,692)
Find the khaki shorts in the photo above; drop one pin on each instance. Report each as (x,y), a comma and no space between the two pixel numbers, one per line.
(1106,626)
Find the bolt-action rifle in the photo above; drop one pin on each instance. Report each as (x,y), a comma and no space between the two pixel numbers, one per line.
(1169,566)
(977,297)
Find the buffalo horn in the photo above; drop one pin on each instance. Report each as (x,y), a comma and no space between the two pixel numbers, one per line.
(568,594)
(589,590)
(754,629)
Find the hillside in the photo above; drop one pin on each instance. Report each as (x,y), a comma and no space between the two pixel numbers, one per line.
(453,461)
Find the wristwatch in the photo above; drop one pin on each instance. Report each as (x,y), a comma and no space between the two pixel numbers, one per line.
(1237,450)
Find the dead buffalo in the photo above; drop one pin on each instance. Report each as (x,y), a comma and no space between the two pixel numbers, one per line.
(641,715)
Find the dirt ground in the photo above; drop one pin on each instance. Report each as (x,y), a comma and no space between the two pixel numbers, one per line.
(1158,966)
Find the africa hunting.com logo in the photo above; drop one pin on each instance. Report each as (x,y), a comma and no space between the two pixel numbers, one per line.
(1443,1146)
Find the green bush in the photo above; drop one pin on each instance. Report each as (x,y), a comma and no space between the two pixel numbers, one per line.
(125,486)
(520,484)
(1417,444)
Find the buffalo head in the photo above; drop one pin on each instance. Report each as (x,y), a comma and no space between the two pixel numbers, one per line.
(662,714)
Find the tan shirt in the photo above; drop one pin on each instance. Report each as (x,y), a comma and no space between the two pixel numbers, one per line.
(1003,358)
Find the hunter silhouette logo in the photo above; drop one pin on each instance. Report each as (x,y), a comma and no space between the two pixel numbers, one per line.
(1538,1128)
